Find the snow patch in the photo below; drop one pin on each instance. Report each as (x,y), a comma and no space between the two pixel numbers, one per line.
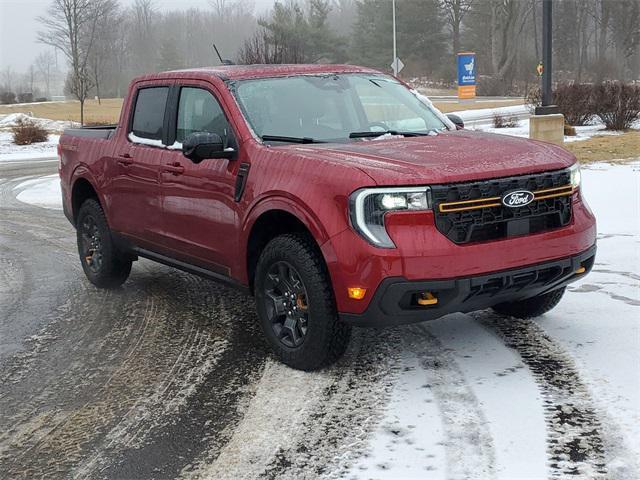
(147,141)
(42,191)
(9,151)
(12,119)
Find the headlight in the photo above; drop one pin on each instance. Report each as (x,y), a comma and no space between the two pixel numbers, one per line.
(369,205)
(575,175)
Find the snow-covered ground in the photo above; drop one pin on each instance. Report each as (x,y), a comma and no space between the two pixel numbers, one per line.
(582,133)
(468,406)
(9,151)
(7,121)
(41,191)
(482,120)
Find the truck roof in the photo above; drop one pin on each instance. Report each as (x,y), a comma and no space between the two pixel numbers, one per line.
(243,72)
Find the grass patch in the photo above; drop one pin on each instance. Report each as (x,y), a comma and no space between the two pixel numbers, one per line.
(107,112)
(607,148)
(446,107)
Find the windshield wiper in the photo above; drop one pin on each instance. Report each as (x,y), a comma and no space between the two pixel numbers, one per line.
(282,138)
(386,132)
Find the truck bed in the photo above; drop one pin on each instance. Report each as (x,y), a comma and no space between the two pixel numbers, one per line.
(103,131)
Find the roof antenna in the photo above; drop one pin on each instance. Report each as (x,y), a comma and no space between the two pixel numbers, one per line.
(223,62)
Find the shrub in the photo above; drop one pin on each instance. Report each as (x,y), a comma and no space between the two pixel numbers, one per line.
(26,132)
(504,121)
(97,123)
(25,97)
(573,100)
(533,99)
(7,97)
(569,131)
(617,104)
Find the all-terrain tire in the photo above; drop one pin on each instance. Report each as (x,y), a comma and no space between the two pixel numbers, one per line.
(326,338)
(105,266)
(531,307)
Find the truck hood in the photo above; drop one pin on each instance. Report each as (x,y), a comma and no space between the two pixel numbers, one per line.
(446,158)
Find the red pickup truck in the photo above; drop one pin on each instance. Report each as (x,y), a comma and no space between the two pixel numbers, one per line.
(334,194)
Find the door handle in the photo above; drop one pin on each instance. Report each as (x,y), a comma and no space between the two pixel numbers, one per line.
(174,168)
(125,159)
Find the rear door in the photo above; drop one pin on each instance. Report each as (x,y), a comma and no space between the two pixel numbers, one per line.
(135,200)
(200,213)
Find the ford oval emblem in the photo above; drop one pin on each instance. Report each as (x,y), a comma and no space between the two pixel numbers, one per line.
(516,199)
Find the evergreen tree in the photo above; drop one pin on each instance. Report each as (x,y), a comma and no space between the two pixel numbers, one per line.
(169,56)
(420,34)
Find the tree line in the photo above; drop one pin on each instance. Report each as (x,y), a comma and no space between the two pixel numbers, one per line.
(105,43)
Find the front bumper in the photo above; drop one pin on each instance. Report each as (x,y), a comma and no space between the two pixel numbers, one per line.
(392,305)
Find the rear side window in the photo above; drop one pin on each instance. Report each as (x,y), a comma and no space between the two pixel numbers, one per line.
(199,111)
(148,115)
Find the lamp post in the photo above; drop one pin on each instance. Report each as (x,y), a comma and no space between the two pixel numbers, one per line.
(547,60)
(395,53)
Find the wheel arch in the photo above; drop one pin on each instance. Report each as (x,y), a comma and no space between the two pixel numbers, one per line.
(269,222)
(82,189)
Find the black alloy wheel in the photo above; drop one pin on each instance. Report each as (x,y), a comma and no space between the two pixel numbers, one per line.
(91,244)
(102,262)
(286,304)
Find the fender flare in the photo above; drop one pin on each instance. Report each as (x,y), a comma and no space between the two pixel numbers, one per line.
(289,204)
(296,208)
(82,172)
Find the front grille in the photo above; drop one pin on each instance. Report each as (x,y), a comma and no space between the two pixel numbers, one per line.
(473,212)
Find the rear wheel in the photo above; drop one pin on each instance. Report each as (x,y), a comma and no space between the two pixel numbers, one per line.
(531,307)
(103,264)
(295,304)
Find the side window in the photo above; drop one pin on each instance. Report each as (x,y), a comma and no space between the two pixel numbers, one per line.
(148,115)
(199,111)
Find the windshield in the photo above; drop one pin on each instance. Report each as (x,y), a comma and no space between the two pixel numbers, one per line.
(330,108)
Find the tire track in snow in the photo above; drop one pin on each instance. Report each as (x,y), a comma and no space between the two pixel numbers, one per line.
(149,369)
(576,444)
(90,379)
(307,425)
(197,407)
(433,424)
(468,444)
(334,427)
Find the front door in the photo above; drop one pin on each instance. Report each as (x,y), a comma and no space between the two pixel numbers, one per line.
(199,210)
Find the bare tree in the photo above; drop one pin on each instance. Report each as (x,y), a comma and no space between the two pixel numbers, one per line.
(626,34)
(105,41)
(32,77)
(70,26)
(455,11)
(8,78)
(143,36)
(45,65)
(508,19)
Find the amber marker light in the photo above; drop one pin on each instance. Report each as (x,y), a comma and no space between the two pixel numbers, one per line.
(357,293)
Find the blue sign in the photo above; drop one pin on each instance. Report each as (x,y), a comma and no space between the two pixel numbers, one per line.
(466,69)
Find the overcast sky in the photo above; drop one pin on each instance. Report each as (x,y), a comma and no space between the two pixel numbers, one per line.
(18,27)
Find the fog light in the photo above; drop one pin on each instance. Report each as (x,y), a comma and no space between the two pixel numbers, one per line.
(427,298)
(581,270)
(356,293)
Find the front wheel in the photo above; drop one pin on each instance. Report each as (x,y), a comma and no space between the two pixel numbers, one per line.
(296,306)
(531,307)
(103,264)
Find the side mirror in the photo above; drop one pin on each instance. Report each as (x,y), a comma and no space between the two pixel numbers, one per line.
(457,121)
(202,146)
